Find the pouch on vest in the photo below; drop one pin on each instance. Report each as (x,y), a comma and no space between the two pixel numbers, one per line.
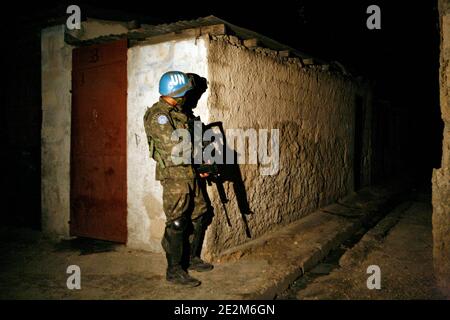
(154,153)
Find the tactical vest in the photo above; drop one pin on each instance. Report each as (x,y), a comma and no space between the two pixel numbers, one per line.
(159,143)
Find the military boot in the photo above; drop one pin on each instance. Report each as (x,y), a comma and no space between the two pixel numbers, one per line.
(173,242)
(177,275)
(195,262)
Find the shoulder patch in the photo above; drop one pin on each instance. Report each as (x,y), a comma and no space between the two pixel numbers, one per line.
(162,119)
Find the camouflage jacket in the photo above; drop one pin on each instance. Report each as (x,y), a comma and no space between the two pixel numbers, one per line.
(160,121)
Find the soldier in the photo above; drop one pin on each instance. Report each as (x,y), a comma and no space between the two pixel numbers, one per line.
(184,203)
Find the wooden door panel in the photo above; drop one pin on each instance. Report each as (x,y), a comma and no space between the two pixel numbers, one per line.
(98,144)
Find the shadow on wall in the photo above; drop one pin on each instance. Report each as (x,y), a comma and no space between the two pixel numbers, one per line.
(226,172)
(231,173)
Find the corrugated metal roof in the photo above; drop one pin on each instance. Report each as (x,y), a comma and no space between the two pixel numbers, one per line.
(242,33)
(147,31)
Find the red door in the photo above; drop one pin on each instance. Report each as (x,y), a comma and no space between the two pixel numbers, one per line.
(98,142)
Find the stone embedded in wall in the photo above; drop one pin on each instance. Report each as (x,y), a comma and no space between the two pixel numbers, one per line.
(251,43)
(234,40)
(284,53)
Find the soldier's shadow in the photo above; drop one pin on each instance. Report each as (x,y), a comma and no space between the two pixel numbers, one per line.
(231,173)
(228,172)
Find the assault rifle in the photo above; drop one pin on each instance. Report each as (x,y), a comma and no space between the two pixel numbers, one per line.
(214,172)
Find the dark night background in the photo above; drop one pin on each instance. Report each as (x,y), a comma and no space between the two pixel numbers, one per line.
(401,60)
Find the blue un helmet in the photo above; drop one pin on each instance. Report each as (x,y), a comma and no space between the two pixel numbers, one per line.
(175,84)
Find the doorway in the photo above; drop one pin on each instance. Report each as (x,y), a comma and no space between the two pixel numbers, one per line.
(98,198)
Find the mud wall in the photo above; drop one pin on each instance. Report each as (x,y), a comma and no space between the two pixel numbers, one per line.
(314,110)
(441,176)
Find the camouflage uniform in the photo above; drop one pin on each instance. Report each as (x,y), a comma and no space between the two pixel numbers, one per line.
(183,200)
(181,189)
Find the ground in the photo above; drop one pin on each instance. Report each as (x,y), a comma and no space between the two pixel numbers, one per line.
(404,256)
(322,256)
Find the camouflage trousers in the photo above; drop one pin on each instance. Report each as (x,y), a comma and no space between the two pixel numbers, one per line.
(183,197)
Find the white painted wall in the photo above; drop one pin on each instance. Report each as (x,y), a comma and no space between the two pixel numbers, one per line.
(55,133)
(146,64)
